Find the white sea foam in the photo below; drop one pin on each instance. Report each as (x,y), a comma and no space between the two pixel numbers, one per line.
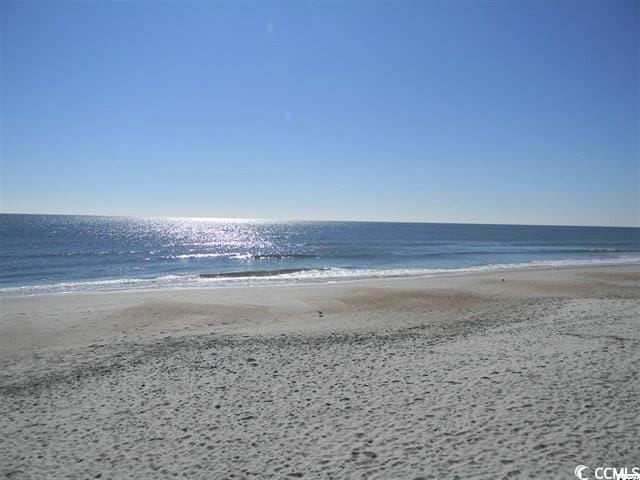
(320,275)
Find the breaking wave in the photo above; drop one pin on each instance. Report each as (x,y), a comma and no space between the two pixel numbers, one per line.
(286,276)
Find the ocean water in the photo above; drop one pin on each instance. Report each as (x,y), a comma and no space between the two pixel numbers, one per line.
(63,253)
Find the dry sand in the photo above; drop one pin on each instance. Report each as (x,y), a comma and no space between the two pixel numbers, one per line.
(463,376)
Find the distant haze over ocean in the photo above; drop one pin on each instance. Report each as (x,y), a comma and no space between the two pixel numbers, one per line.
(63,253)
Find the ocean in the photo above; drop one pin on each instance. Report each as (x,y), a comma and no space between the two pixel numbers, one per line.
(42,254)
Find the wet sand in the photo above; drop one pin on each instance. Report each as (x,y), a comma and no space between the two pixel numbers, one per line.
(520,374)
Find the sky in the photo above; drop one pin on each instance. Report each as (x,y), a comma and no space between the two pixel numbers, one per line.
(479,112)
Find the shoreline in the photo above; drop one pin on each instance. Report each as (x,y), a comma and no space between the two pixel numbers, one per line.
(310,282)
(71,319)
(485,375)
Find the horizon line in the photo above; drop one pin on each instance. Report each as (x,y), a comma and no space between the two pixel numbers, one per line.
(264,219)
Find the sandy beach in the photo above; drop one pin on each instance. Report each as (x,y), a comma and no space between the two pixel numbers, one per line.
(519,374)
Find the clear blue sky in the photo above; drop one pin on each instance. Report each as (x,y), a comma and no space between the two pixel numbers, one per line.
(490,112)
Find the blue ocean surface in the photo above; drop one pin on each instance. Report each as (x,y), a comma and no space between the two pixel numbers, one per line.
(42,254)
